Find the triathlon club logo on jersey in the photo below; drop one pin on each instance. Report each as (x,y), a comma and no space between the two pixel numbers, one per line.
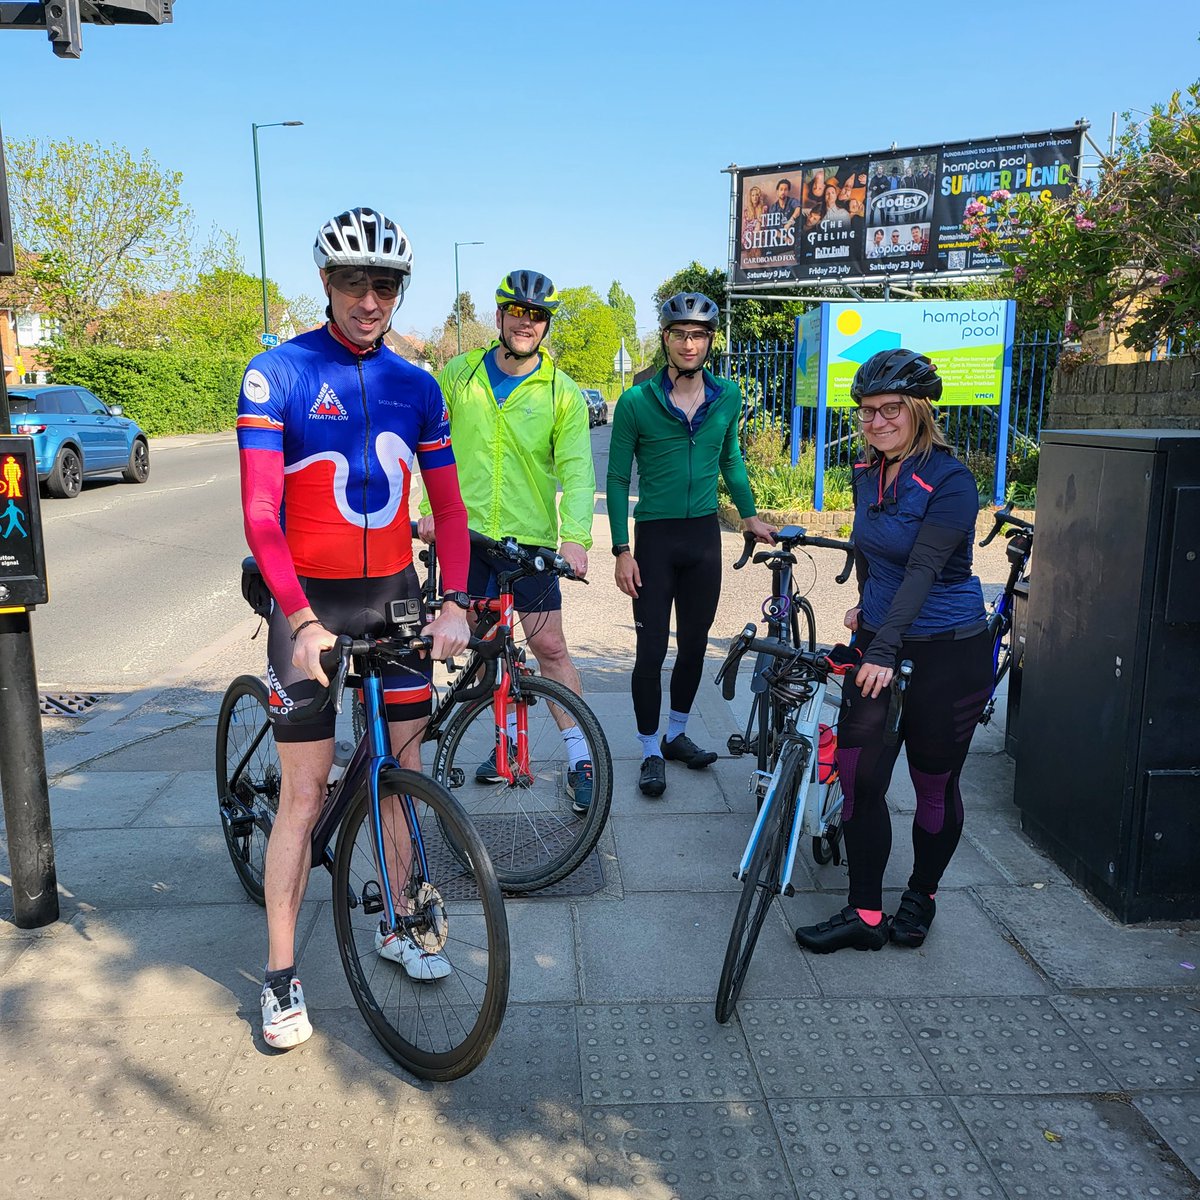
(327,406)
(279,700)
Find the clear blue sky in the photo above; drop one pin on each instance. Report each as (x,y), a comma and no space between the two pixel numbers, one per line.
(583,139)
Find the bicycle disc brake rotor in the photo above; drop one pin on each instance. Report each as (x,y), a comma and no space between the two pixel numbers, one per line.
(429,926)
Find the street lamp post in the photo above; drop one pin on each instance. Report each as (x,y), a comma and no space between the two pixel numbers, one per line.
(262,242)
(457,308)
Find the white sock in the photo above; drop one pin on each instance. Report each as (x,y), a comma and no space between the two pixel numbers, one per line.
(576,744)
(650,748)
(676,724)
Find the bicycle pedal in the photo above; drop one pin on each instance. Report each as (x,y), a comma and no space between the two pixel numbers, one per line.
(242,825)
(456,777)
(736,744)
(372,897)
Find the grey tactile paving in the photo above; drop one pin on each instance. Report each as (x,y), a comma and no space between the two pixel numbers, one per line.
(1145,1040)
(90,1072)
(128,1159)
(644,1053)
(805,1048)
(685,1152)
(855,1149)
(534,1149)
(1176,1117)
(1008,1045)
(1069,1147)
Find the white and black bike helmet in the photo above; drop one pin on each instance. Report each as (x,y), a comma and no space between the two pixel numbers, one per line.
(363,237)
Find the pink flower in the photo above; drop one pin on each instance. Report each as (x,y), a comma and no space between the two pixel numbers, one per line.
(1070,329)
(1019,273)
(1164,279)
(1084,223)
(975,208)
(1001,194)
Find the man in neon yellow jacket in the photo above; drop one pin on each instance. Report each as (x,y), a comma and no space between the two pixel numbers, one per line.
(520,429)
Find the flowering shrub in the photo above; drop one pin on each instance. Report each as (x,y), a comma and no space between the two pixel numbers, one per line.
(1124,251)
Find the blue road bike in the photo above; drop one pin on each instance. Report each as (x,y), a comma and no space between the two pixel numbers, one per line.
(404,858)
(1019,533)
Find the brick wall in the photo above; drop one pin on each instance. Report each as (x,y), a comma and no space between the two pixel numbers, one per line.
(1143,395)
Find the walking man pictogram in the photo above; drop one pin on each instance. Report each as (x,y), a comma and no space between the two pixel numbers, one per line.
(16,519)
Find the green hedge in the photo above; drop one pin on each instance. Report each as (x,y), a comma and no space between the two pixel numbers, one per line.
(162,391)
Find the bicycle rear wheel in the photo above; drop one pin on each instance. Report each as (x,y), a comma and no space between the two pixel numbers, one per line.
(530,827)
(440,1029)
(827,847)
(248,779)
(760,886)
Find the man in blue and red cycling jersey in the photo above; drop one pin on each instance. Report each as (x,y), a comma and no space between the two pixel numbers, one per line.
(329,428)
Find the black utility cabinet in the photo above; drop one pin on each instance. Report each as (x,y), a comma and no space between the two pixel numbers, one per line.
(1108,769)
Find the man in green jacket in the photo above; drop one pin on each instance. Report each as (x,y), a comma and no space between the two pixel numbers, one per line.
(520,429)
(682,427)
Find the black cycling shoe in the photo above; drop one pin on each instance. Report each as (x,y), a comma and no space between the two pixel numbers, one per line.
(682,749)
(653,777)
(910,926)
(843,930)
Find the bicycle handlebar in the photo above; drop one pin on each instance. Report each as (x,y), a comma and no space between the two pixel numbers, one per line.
(795,535)
(1002,517)
(335,662)
(539,561)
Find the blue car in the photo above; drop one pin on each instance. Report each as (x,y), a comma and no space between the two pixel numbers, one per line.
(76,435)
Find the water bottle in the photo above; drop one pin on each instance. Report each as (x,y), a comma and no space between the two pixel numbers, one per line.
(342,751)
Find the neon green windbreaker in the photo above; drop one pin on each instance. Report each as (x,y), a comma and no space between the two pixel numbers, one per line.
(512,458)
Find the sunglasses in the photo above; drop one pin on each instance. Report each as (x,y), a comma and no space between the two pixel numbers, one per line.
(521,311)
(352,281)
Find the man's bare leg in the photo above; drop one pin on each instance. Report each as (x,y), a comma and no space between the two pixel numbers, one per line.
(544,632)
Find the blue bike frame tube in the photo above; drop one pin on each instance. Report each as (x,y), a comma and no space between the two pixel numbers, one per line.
(760,821)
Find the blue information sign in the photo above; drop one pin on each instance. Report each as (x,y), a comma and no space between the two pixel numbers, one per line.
(269,339)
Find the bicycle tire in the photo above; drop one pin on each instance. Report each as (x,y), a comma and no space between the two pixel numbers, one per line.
(827,846)
(248,779)
(533,836)
(443,1029)
(759,888)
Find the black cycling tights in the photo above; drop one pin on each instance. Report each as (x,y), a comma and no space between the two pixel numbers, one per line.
(680,563)
(951,682)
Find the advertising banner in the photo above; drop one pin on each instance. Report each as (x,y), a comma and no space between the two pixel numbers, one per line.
(894,212)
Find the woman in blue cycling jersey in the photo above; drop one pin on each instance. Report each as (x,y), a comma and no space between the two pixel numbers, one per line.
(915,507)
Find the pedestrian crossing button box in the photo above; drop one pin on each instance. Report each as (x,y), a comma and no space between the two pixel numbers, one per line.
(22,551)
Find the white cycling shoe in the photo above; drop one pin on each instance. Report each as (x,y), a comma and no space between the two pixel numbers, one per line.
(285,1027)
(417,963)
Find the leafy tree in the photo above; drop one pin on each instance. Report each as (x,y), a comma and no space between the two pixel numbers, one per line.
(1123,252)
(102,223)
(465,306)
(584,337)
(625,314)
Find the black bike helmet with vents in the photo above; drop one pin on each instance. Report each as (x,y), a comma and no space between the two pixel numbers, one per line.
(527,287)
(363,237)
(689,306)
(902,372)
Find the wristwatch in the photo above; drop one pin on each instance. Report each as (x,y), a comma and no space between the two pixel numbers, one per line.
(460,598)
(621,549)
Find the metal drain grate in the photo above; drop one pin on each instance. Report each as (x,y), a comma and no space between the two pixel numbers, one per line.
(67,704)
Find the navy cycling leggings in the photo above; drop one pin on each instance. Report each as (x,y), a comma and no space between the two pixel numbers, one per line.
(679,561)
(951,682)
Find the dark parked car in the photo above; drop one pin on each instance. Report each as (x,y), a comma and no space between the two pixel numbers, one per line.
(597,408)
(75,434)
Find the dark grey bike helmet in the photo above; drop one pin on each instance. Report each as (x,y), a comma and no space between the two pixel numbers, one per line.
(689,306)
(527,287)
(902,372)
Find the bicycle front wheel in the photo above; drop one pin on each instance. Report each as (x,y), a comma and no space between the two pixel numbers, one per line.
(248,779)
(533,828)
(436,1000)
(760,886)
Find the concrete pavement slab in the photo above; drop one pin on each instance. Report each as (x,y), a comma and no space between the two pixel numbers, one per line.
(819,1048)
(670,946)
(914,1147)
(687,792)
(1011,1045)
(968,868)
(1144,1039)
(682,852)
(1175,1116)
(1078,947)
(188,798)
(964,955)
(104,799)
(662,1053)
(685,1152)
(124,964)
(1068,1146)
(186,747)
(996,834)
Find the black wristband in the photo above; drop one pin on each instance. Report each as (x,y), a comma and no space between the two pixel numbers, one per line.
(304,625)
(621,549)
